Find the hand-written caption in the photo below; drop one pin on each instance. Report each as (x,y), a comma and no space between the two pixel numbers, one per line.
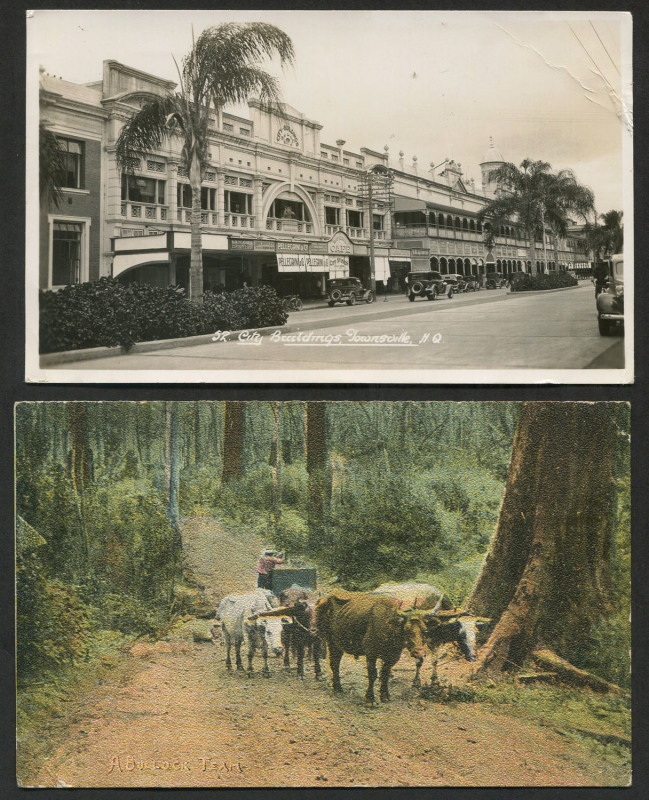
(351,338)
(131,763)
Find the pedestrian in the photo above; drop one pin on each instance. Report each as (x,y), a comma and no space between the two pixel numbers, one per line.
(265,566)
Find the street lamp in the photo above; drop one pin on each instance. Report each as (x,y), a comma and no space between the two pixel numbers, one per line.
(375,186)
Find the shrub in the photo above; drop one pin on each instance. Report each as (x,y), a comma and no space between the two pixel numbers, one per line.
(547,280)
(109,313)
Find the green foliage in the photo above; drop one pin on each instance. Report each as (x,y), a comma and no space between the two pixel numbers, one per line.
(52,622)
(109,313)
(556,279)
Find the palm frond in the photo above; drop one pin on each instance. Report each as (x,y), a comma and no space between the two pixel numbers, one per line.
(147,128)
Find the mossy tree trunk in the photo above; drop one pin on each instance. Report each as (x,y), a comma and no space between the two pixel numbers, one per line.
(546,575)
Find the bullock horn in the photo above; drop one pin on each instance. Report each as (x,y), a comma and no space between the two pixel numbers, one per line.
(438,605)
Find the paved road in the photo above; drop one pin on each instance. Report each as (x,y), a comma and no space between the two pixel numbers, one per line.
(483,331)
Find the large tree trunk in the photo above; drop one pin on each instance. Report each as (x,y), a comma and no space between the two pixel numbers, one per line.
(232,440)
(316,454)
(546,575)
(196,257)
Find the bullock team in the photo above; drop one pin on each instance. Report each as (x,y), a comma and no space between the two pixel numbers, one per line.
(378,625)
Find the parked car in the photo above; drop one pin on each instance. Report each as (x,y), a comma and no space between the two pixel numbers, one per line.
(457,281)
(347,290)
(495,280)
(610,301)
(473,283)
(426,284)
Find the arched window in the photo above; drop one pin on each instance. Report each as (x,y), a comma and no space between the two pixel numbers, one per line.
(472,225)
(449,221)
(465,225)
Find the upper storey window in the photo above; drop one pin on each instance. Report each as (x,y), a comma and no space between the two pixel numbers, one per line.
(73,160)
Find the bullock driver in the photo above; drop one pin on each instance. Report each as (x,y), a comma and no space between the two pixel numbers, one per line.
(265,567)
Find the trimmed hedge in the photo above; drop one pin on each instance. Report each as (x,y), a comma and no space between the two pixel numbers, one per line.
(109,313)
(547,280)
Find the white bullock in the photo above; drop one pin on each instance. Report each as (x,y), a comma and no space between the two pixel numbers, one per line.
(234,613)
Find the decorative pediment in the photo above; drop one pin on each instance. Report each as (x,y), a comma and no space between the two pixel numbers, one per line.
(286,135)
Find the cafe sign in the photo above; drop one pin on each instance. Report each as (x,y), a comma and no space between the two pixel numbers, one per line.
(340,244)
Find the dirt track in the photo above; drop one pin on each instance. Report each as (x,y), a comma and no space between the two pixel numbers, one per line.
(173,716)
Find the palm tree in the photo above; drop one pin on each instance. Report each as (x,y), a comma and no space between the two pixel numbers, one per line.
(566,199)
(221,69)
(608,238)
(51,167)
(521,196)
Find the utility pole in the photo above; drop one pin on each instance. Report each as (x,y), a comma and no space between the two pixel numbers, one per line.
(370,201)
(375,185)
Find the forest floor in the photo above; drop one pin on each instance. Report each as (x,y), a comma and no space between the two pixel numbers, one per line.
(168,714)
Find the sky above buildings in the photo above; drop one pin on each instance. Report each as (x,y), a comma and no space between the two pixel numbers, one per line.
(435,85)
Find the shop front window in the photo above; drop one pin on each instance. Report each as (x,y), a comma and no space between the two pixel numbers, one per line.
(377,222)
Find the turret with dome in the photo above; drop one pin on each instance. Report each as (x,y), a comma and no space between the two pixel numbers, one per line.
(492,160)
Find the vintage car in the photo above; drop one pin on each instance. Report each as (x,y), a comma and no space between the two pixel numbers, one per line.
(457,281)
(426,284)
(473,283)
(495,280)
(610,301)
(347,290)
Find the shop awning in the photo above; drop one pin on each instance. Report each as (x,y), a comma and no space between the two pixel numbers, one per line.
(381,268)
(125,261)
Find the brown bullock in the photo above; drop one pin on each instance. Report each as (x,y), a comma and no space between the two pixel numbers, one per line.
(371,626)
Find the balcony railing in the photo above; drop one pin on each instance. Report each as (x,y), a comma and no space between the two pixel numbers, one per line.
(288,225)
(207,217)
(143,211)
(239,221)
(331,229)
(357,233)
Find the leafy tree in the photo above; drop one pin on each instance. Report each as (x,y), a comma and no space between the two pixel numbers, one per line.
(220,69)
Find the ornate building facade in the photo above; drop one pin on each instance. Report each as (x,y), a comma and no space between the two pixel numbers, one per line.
(279,206)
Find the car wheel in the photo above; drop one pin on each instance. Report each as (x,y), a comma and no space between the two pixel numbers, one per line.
(370,298)
(331,304)
(411,297)
(604,327)
(352,300)
(417,288)
(336,295)
(450,292)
